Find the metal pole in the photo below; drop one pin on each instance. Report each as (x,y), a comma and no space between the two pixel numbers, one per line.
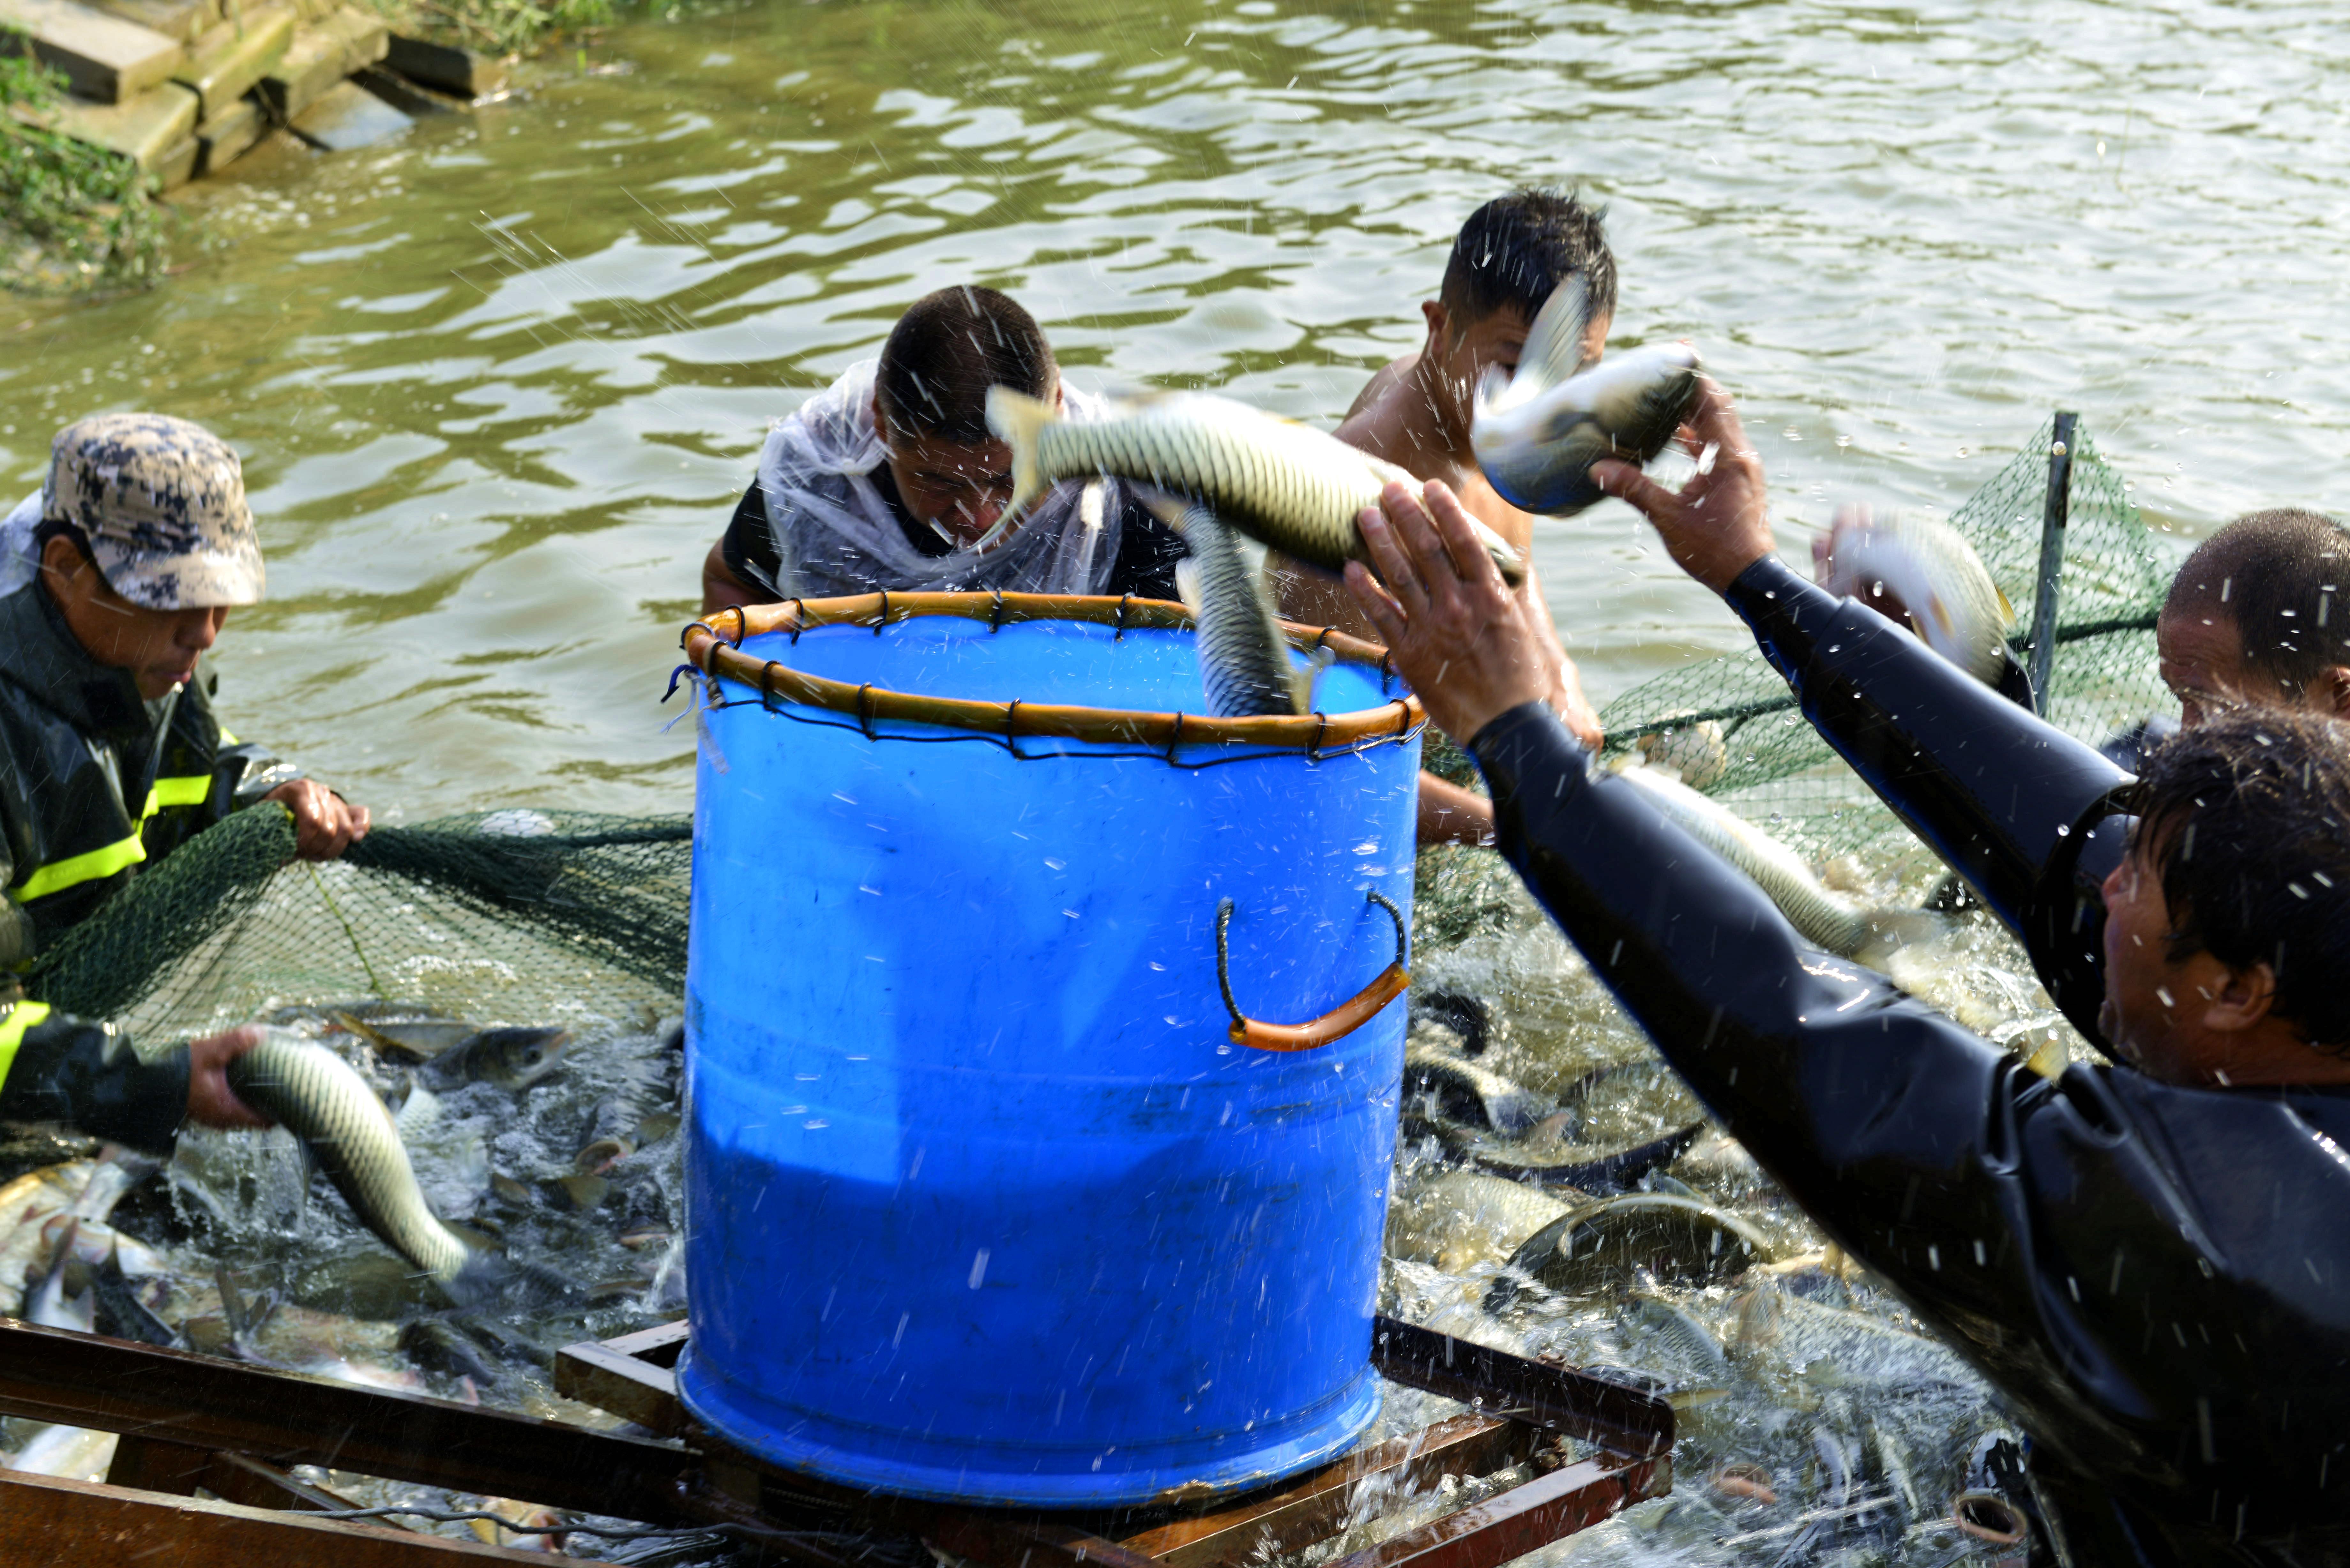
(2052,555)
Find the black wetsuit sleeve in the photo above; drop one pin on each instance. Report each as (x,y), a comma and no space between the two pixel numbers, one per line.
(748,547)
(2012,803)
(86,1075)
(1148,550)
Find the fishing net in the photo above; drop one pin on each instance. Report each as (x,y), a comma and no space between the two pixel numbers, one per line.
(514,916)
(1775,769)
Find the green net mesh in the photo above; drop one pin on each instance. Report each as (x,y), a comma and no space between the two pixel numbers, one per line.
(506,916)
(2102,679)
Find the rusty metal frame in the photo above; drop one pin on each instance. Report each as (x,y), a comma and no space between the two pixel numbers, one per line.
(719,656)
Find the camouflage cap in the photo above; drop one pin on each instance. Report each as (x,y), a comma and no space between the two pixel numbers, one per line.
(162,504)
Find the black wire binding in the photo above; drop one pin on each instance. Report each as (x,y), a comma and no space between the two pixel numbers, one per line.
(1123,601)
(884,620)
(1176,739)
(996,613)
(767,691)
(864,720)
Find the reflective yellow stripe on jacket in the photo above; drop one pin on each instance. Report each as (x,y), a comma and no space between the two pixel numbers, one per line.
(13,1024)
(94,865)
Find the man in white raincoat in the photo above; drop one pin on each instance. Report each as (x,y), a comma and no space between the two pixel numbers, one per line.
(886,479)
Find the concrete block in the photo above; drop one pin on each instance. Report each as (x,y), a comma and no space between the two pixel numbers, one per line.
(103,57)
(319,57)
(224,63)
(446,67)
(181,19)
(347,117)
(178,166)
(230,133)
(147,130)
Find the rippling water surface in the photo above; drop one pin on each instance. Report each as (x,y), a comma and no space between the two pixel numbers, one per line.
(496,385)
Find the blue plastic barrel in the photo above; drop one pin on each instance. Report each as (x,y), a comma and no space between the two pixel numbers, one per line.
(985,1202)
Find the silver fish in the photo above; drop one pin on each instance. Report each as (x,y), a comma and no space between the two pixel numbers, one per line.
(1602,1244)
(1667,1329)
(1834,922)
(1244,665)
(1537,434)
(1283,485)
(1468,1094)
(510,1059)
(326,1104)
(1463,1218)
(1919,572)
(69,1453)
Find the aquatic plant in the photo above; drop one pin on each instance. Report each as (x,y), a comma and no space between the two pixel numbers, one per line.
(73,217)
(495,26)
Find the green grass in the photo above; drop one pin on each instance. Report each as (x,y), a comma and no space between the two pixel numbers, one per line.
(73,218)
(495,26)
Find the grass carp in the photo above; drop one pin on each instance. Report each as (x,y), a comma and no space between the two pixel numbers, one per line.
(1285,484)
(324,1101)
(510,1059)
(1537,434)
(1466,1094)
(1244,664)
(1603,1244)
(1463,1218)
(1922,572)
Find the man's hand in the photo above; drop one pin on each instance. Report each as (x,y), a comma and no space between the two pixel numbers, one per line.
(210,1101)
(324,824)
(1719,525)
(1470,647)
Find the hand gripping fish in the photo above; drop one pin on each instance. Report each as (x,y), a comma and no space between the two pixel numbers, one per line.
(325,1103)
(1244,665)
(1537,434)
(1281,483)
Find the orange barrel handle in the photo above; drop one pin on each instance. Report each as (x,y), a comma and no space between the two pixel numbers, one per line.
(1336,1024)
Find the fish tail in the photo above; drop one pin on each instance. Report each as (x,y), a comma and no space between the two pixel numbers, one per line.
(1018,420)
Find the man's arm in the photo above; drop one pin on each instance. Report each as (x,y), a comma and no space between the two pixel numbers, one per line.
(57,1068)
(745,550)
(1997,792)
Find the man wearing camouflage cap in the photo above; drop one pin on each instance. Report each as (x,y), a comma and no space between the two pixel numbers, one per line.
(144,545)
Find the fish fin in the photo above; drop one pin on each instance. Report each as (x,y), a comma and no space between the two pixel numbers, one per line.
(1164,504)
(2006,610)
(1554,350)
(1017,420)
(1187,584)
(1511,566)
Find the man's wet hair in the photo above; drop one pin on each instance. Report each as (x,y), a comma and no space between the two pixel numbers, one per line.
(2248,817)
(947,350)
(2282,578)
(1515,249)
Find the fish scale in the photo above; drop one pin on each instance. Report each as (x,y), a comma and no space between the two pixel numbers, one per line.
(1287,485)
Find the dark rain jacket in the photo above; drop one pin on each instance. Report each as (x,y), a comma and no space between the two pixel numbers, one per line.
(2156,1279)
(98,782)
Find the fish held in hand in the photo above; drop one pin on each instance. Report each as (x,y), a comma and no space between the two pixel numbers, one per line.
(1244,664)
(1920,573)
(1283,485)
(324,1102)
(1537,434)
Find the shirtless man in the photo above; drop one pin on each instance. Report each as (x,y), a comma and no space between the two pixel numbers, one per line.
(1415,413)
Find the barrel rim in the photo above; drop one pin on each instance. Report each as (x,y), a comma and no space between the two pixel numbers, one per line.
(717,656)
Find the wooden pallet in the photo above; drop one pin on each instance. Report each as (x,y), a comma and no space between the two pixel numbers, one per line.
(1526,1406)
(193,1424)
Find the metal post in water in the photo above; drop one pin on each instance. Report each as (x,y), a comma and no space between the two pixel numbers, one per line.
(2051,557)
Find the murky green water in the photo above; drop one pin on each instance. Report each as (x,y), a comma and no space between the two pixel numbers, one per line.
(497,385)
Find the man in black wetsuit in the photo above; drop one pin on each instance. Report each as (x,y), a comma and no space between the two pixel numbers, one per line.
(885,481)
(2147,1261)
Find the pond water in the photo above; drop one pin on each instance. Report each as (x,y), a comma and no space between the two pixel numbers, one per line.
(497,385)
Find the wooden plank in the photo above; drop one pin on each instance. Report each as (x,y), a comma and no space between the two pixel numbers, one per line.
(1556,1398)
(628,1387)
(321,55)
(104,57)
(1523,1518)
(86,1380)
(225,64)
(1313,1508)
(230,134)
(43,1519)
(149,1464)
(181,19)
